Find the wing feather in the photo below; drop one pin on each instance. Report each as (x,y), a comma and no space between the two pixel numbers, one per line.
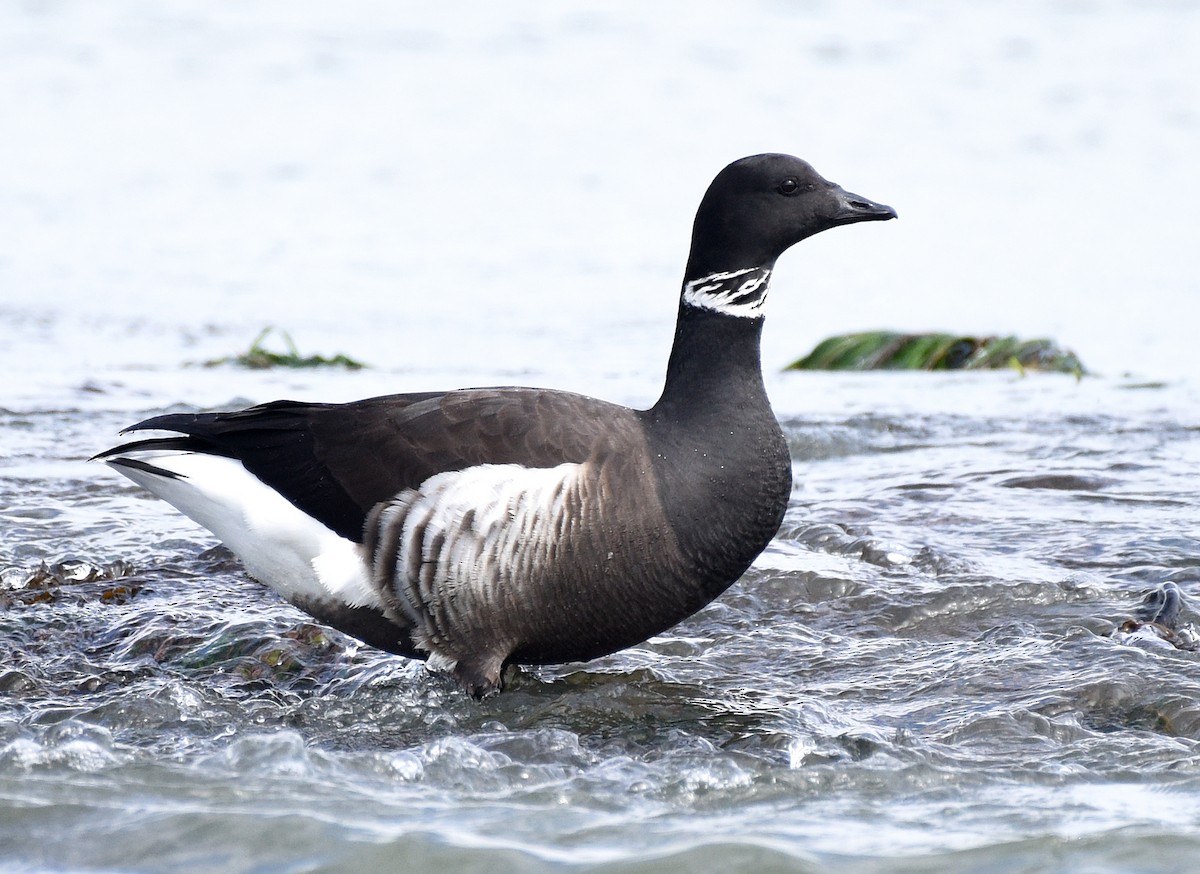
(338,461)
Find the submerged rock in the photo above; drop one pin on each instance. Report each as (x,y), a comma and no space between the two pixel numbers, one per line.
(1157,623)
(71,578)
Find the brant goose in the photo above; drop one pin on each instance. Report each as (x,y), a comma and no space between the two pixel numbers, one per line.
(489,526)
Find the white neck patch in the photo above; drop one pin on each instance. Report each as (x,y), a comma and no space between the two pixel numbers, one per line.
(740,293)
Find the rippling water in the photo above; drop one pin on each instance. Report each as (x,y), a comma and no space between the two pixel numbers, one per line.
(918,675)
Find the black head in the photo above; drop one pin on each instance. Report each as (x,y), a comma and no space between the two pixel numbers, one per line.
(759,206)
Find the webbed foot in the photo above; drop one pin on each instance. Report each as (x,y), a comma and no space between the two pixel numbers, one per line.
(480,678)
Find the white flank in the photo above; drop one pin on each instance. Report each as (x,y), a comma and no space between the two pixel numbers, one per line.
(279,544)
(474,535)
(733,294)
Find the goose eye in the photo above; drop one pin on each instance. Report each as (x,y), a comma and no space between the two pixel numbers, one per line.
(789,186)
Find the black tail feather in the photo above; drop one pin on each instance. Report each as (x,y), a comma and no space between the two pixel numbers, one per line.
(273,441)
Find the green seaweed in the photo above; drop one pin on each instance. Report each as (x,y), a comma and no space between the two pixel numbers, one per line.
(257,357)
(893,350)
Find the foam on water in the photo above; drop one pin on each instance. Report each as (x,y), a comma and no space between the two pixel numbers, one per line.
(920,665)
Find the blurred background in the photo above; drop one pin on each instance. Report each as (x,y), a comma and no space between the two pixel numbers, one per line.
(505,194)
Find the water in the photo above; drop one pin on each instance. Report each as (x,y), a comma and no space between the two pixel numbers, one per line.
(918,675)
